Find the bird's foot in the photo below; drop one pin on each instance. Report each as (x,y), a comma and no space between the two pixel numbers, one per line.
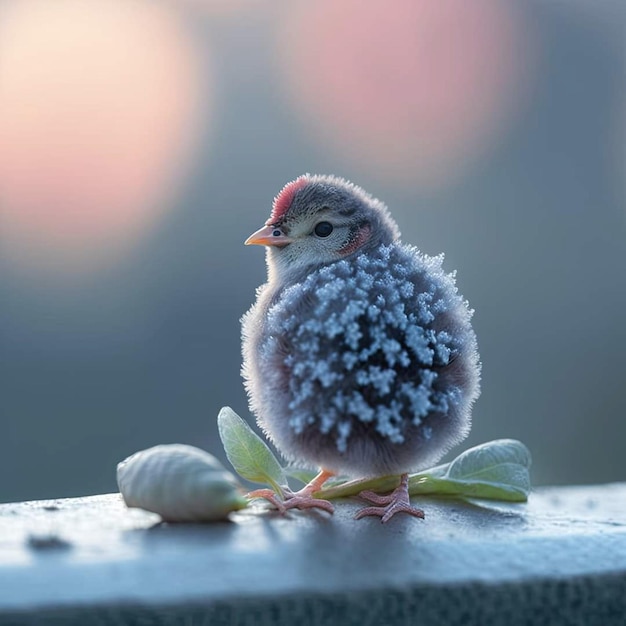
(269,495)
(302,499)
(397,501)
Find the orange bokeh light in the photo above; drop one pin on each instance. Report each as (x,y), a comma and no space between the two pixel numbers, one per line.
(98,111)
(412,90)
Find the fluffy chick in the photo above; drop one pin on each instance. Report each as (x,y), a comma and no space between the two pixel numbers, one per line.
(358,355)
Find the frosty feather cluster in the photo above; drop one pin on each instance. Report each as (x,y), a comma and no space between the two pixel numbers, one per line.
(376,350)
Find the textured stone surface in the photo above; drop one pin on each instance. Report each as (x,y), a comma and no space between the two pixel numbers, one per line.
(560,559)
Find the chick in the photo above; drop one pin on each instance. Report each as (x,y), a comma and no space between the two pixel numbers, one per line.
(358,355)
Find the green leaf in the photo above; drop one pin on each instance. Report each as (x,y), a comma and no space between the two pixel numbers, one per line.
(354,487)
(301,474)
(247,452)
(496,470)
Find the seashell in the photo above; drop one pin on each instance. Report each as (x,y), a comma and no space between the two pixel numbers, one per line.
(179,482)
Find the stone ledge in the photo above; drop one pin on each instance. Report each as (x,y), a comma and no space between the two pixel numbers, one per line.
(560,559)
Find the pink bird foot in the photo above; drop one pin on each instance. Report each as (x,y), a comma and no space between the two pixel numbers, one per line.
(269,495)
(397,501)
(302,499)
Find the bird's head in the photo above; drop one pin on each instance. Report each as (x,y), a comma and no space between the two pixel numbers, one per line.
(316,220)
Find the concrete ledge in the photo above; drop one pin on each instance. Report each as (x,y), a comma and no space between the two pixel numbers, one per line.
(560,559)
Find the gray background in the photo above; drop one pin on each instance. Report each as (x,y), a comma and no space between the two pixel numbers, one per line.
(146,351)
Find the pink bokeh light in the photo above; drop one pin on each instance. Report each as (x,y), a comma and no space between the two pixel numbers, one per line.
(99,110)
(414,91)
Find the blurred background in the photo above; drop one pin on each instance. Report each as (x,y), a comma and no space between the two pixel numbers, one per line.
(141,142)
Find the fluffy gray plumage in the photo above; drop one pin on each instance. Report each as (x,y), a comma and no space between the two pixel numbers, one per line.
(358,356)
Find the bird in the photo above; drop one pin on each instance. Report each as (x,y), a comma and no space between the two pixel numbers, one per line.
(359,356)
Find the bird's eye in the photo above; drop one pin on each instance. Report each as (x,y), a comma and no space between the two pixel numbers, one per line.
(323,229)
(277,233)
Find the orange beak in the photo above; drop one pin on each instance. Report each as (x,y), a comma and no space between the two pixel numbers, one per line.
(268,236)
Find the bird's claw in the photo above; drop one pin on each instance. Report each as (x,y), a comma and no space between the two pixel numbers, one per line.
(387,512)
(397,501)
(292,500)
(307,502)
(269,495)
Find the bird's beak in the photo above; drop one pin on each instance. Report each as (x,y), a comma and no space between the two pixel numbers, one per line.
(268,236)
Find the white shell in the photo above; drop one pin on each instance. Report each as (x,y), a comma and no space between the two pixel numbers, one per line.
(180,483)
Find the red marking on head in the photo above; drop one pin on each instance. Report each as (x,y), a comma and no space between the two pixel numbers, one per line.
(283,200)
(362,235)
